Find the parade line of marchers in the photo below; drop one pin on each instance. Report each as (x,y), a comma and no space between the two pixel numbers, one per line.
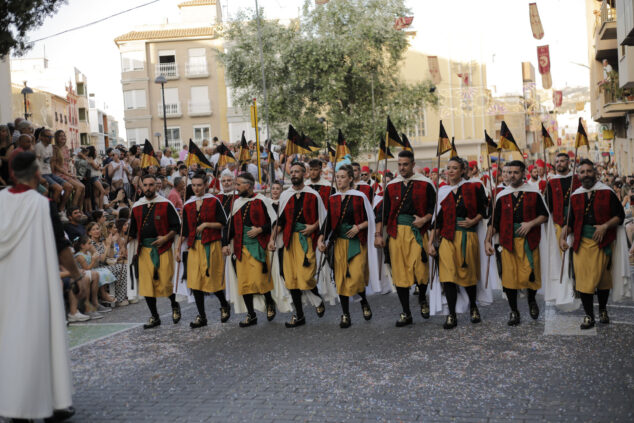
(318,242)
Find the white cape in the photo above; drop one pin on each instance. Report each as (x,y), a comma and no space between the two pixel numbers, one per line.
(438,303)
(34,363)
(280,294)
(385,271)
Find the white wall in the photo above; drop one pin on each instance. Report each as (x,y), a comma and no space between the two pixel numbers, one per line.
(6,112)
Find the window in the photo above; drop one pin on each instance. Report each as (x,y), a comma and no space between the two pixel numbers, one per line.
(171,96)
(197,62)
(420,128)
(81,89)
(56,117)
(82,114)
(167,64)
(201,132)
(132,61)
(83,138)
(199,100)
(134,99)
(174,136)
(172,105)
(137,135)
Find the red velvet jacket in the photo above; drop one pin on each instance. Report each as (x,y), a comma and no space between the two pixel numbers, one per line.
(257,215)
(160,222)
(207,214)
(469,195)
(309,211)
(602,213)
(419,200)
(359,215)
(558,198)
(529,212)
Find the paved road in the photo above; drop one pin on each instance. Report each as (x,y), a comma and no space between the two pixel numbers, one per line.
(370,372)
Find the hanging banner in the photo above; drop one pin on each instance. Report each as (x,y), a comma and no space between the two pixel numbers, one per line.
(543,59)
(547,81)
(536,23)
(403,22)
(434,69)
(558,97)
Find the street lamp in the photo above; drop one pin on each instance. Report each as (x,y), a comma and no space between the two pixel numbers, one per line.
(161,80)
(26,90)
(158,138)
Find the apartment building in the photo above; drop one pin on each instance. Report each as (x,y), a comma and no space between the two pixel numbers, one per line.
(611,56)
(195,94)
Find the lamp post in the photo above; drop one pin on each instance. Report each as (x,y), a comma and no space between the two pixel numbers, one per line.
(25,91)
(158,138)
(161,80)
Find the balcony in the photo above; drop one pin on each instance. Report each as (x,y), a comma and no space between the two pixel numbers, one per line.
(196,70)
(605,43)
(168,70)
(172,110)
(199,108)
(611,103)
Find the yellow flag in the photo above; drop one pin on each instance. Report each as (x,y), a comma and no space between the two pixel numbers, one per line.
(582,137)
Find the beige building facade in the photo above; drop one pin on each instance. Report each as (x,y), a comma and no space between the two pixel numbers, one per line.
(186,54)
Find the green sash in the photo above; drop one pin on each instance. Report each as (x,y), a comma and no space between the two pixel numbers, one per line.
(463,244)
(408,220)
(302,238)
(253,246)
(527,249)
(207,247)
(354,245)
(587,231)
(154,253)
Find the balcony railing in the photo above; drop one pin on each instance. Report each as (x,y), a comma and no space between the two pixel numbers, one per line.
(196,70)
(606,14)
(172,110)
(174,143)
(199,108)
(168,70)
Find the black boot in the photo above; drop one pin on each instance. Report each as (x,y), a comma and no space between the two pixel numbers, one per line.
(424,306)
(295,321)
(225,313)
(270,311)
(533,309)
(404,320)
(475,315)
(588,322)
(345,321)
(250,320)
(154,322)
(451,321)
(603,316)
(176,313)
(367,311)
(60,415)
(514,318)
(198,323)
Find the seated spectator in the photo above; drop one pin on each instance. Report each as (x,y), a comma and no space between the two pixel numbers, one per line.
(84,256)
(59,189)
(75,295)
(104,255)
(61,167)
(99,217)
(74,227)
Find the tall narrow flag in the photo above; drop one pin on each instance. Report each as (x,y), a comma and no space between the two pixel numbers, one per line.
(582,137)
(443,141)
(548,141)
(225,155)
(298,144)
(407,144)
(536,23)
(391,135)
(342,148)
(195,155)
(384,151)
(454,152)
(148,158)
(332,153)
(507,142)
(492,147)
(245,154)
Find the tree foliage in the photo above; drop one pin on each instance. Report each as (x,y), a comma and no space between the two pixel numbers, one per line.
(326,64)
(19,16)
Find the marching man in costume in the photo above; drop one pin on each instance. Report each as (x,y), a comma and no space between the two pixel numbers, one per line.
(559,189)
(596,217)
(203,220)
(462,207)
(153,226)
(250,231)
(519,213)
(360,184)
(350,225)
(409,206)
(227,192)
(319,184)
(301,214)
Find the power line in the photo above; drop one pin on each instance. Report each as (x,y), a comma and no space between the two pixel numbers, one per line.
(94,22)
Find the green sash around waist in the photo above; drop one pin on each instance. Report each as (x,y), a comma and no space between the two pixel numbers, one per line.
(408,220)
(587,231)
(354,245)
(207,247)
(527,249)
(253,246)
(463,244)
(302,238)
(154,253)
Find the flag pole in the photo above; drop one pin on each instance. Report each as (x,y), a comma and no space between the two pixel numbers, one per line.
(492,188)
(546,169)
(180,235)
(435,228)
(572,181)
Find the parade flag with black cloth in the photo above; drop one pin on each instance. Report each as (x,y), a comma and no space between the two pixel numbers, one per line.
(392,136)
(548,141)
(148,158)
(342,148)
(384,151)
(225,155)
(298,144)
(492,147)
(331,153)
(407,144)
(454,151)
(507,142)
(195,155)
(443,141)
(582,137)
(245,154)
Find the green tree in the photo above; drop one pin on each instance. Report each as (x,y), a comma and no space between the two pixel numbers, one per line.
(19,16)
(326,64)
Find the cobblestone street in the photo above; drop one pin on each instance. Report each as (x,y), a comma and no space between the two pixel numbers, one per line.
(370,372)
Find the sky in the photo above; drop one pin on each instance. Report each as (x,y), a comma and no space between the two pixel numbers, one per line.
(494,32)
